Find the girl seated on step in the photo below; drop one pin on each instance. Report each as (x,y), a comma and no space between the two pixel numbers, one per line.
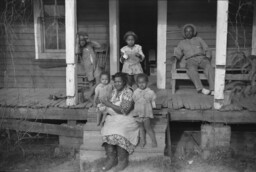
(102,92)
(144,100)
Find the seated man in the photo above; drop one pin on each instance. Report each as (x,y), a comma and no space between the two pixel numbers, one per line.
(196,54)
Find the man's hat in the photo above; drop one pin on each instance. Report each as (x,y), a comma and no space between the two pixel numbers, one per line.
(188,25)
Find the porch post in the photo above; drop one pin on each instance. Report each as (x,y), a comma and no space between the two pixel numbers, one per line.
(71,70)
(36,10)
(161,43)
(114,35)
(221,51)
(254,30)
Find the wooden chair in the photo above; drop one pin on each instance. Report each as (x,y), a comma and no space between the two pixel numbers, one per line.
(231,73)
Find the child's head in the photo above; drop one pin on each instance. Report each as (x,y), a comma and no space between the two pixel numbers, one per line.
(130,38)
(104,78)
(83,38)
(142,81)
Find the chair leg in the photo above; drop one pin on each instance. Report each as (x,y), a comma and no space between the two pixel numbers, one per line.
(173,85)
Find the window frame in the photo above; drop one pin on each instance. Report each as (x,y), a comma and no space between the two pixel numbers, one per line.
(40,50)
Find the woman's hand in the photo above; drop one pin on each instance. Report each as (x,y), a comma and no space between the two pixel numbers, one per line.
(106,102)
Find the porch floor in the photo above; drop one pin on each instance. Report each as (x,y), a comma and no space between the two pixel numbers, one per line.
(42,98)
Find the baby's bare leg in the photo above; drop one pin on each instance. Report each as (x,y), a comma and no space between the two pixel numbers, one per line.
(99,117)
(104,115)
(142,135)
(150,132)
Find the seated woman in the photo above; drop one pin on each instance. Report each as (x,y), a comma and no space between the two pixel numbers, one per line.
(120,131)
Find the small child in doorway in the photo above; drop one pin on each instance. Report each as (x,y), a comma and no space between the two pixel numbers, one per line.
(131,56)
(144,99)
(102,91)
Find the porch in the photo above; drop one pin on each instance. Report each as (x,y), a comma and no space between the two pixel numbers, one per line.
(185,105)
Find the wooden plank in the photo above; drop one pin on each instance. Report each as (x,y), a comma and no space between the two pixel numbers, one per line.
(114,35)
(186,99)
(161,43)
(254,30)
(231,117)
(20,36)
(44,113)
(36,127)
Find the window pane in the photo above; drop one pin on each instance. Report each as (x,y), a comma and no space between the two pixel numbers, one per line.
(61,7)
(48,10)
(49,2)
(60,10)
(50,34)
(62,43)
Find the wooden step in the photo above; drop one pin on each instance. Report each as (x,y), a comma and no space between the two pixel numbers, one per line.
(93,140)
(159,125)
(92,149)
(88,155)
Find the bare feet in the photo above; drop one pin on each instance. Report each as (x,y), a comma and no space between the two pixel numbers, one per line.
(154,144)
(142,142)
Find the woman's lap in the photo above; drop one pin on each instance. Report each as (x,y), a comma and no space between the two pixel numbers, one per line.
(121,130)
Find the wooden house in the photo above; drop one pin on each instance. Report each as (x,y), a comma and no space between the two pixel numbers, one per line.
(38,57)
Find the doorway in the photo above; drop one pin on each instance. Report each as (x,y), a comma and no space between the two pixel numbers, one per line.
(140,16)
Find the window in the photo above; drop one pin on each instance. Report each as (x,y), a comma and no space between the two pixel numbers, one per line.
(49,23)
(53,25)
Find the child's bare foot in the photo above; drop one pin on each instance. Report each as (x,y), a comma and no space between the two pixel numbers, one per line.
(142,143)
(154,145)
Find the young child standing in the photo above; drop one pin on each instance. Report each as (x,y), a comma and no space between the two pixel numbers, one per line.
(102,91)
(144,99)
(131,56)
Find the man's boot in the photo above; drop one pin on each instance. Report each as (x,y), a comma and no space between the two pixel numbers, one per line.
(111,153)
(123,159)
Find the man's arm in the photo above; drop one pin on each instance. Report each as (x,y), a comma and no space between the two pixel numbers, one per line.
(178,51)
(205,47)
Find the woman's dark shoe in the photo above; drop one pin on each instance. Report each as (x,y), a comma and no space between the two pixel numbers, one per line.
(123,159)
(111,152)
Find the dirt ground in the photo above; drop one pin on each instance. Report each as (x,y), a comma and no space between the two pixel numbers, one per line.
(44,155)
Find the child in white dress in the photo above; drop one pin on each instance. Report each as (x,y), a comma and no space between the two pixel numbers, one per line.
(102,92)
(144,99)
(131,56)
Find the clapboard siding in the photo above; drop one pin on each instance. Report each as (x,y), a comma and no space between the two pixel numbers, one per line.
(18,67)
(20,70)
(201,13)
(92,17)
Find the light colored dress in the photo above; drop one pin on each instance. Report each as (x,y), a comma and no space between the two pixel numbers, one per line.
(143,103)
(132,64)
(121,129)
(103,92)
